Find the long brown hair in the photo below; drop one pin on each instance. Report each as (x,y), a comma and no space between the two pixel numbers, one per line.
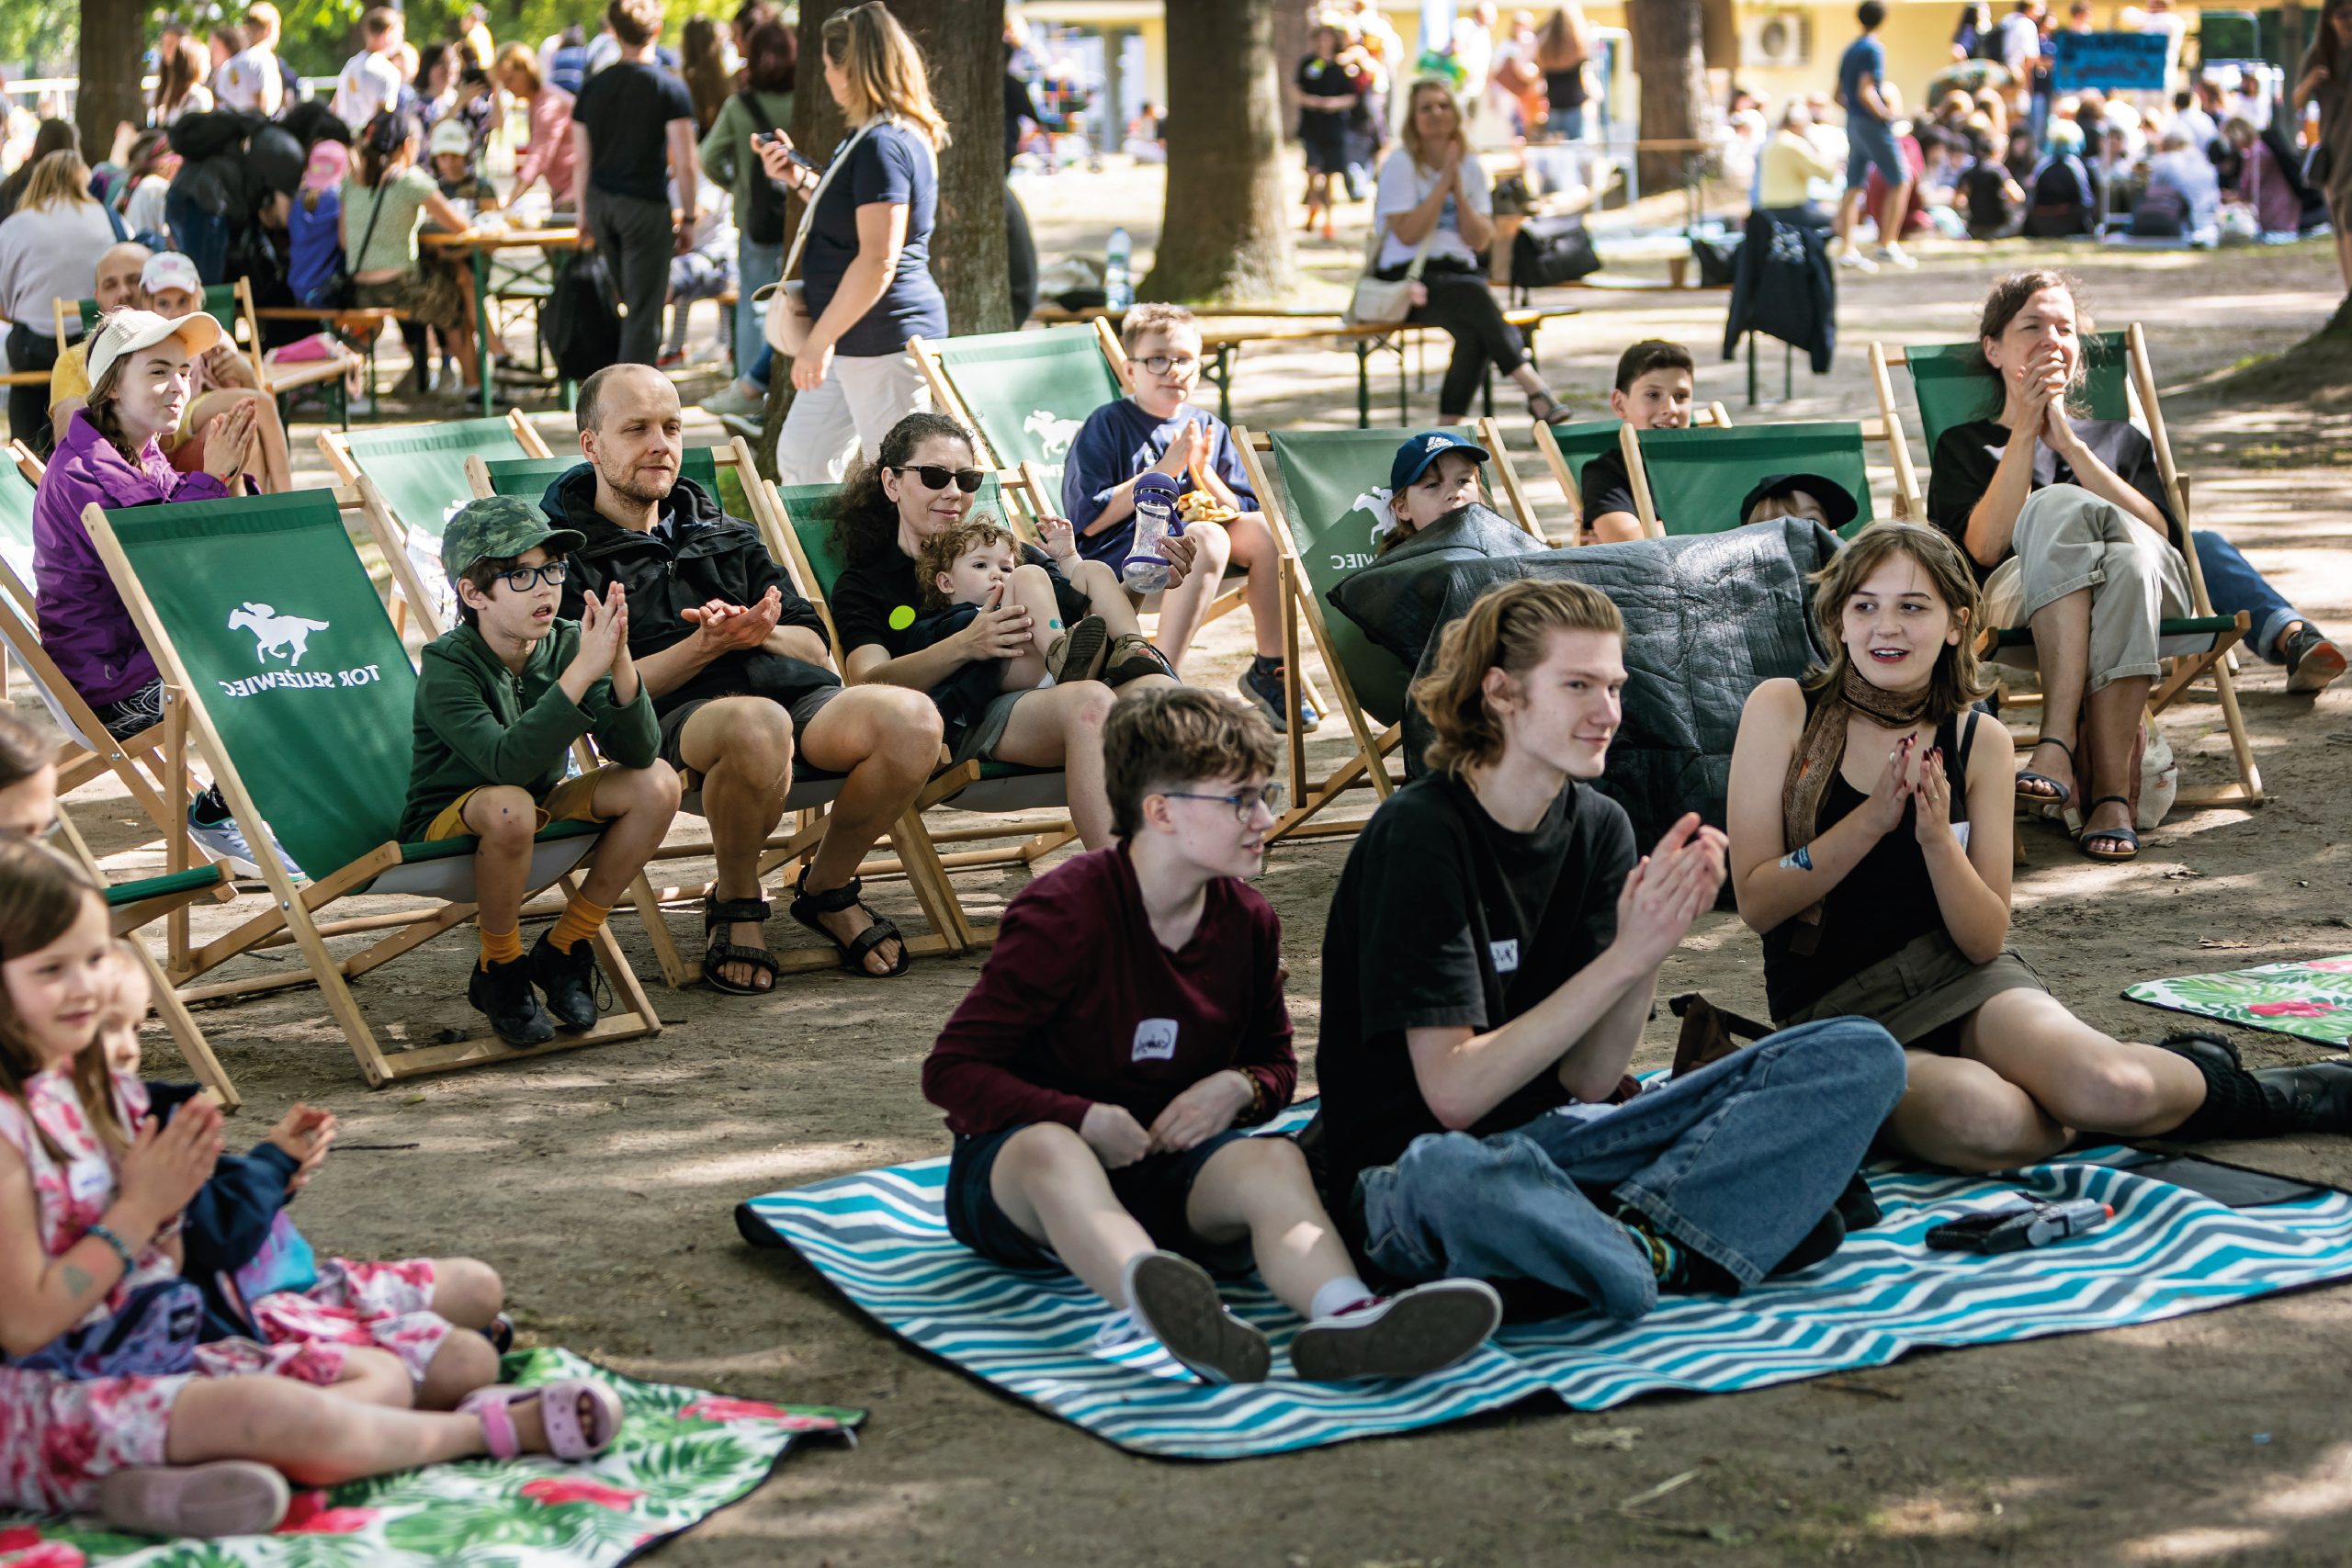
(100,405)
(41,894)
(1958,678)
(1566,41)
(884,70)
(1506,629)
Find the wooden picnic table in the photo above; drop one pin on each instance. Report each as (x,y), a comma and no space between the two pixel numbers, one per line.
(476,244)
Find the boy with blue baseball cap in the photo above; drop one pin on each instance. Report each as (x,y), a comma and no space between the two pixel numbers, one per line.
(500,699)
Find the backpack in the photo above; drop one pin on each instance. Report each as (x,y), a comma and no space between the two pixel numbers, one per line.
(581,326)
(763,208)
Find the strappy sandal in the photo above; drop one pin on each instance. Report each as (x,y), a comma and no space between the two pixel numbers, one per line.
(718,912)
(1553,413)
(1133,657)
(571,1435)
(2129,837)
(2062,793)
(851,895)
(1077,654)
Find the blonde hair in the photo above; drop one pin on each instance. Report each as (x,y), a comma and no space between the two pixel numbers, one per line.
(1424,156)
(1958,678)
(1153,317)
(1506,629)
(59,176)
(884,70)
(518,58)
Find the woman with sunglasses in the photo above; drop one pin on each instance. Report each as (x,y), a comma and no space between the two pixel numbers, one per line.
(864,249)
(921,485)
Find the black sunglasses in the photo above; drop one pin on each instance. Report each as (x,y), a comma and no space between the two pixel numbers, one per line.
(936,478)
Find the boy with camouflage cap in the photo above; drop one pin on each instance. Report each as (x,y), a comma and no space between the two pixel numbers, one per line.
(500,699)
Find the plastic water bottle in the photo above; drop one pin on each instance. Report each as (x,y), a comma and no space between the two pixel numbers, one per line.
(1146,569)
(1118,283)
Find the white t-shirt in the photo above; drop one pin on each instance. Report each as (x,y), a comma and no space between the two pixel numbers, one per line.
(249,81)
(369,84)
(2020,41)
(1403,185)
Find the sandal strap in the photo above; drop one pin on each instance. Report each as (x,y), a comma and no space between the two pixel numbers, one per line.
(2103,799)
(717,911)
(834,900)
(490,1406)
(883,930)
(720,953)
(2053,741)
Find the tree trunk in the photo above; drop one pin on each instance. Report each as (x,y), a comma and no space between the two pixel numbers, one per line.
(1669,56)
(113,44)
(1225,233)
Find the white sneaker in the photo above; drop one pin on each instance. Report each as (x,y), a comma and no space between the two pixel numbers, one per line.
(1858,261)
(1896,255)
(732,400)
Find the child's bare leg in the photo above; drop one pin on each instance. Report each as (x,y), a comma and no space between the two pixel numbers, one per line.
(504,818)
(1033,589)
(637,804)
(1106,596)
(1049,1183)
(464,1363)
(374,1377)
(468,1291)
(1183,608)
(319,1440)
(1252,548)
(1260,1187)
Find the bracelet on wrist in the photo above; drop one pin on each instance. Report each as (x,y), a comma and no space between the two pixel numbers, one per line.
(121,1248)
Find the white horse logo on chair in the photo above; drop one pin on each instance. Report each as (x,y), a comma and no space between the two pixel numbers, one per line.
(1054,434)
(287,636)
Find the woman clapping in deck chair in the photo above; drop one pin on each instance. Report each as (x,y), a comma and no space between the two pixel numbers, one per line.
(1869,846)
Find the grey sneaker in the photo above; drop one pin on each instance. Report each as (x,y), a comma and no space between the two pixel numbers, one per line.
(1406,1336)
(732,400)
(225,841)
(1176,1302)
(2313,662)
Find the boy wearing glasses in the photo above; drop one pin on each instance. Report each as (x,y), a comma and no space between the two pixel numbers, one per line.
(500,699)
(1128,1024)
(1156,428)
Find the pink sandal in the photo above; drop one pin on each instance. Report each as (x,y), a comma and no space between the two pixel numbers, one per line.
(567,1436)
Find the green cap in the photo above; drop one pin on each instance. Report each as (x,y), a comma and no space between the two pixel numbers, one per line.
(500,525)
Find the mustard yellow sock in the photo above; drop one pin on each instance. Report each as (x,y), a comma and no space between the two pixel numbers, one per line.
(580,920)
(501,947)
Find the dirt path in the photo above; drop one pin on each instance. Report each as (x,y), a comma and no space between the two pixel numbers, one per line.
(602,1183)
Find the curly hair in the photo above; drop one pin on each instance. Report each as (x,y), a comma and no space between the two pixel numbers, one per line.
(943,549)
(1506,628)
(866,521)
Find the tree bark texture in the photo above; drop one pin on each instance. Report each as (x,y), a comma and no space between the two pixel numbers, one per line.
(1669,56)
(1225,233)
(113,45)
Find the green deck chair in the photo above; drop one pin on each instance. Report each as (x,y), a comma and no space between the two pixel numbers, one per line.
(302,702)
(1950,391)
(17,493)
(1317,487)
(411,477)
(1566,448)
(1696,478)
(1025,393)
(221,303)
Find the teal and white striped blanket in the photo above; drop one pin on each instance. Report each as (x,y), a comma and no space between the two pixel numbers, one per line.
(879,1237)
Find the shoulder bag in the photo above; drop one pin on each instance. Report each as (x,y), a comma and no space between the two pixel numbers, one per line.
(788,321)
(1378,301)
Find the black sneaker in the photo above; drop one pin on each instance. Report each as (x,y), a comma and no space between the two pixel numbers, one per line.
(1263,684)
(1174,1300)
(569,981)
(1415,1332)
(503,993)
(2312,1099)
(2314,663)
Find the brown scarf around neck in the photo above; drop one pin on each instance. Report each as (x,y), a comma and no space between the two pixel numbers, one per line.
(1820,753)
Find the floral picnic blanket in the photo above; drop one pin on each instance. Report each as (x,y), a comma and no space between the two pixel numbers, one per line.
(2311,999)
(683,1455)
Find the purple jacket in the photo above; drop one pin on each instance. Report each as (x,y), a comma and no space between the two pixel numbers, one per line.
(84,625)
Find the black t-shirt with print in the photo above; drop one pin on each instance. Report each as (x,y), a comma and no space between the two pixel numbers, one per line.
(1606,487)
(1444,918)
(1961,470)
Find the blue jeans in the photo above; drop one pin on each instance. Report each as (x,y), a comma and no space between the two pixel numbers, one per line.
(1739,1161)
(756,265)
(1567,123)
(2233,585)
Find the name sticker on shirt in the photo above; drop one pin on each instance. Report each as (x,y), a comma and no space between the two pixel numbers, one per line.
(88,1181)
(1155,1040)
(1505,955)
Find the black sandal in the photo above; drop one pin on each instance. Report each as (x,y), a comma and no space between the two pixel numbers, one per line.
(718,912)
(851,895)
(2064,793)
(2127,836)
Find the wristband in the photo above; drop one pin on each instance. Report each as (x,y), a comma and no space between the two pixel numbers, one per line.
(121,1248)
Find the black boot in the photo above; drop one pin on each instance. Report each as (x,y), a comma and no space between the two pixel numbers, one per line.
(2269,1100)
(569,979)
(503,992)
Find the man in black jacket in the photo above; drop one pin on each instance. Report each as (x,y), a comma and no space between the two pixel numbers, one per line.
(741,679)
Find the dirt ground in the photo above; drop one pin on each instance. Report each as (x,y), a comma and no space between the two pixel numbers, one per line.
(602,1183)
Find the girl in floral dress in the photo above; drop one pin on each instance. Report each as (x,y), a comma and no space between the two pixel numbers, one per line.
(107,1399)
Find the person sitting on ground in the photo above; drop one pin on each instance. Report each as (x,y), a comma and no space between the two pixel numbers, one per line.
(2184,194)
(1128,1025)
(976,566)
(741,679)
(1653,392)
(110,455)
(2262,188)
(1990,200)
(111,1402)
(2061,201)
(2069,531)
(1156,428)
(922,485)
(1433,189)
(1870,817)
(1491,960)
(501,697)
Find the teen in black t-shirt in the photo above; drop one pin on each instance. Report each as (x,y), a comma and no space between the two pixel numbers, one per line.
(1489,962)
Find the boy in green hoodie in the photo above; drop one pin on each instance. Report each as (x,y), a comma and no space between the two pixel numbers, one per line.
(500,699)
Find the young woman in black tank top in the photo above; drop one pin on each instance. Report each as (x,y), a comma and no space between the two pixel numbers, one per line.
(1871,848)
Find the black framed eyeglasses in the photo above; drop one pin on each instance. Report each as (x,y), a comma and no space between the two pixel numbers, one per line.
(1162,364)
(934,477)
(1245,802)
(523,579)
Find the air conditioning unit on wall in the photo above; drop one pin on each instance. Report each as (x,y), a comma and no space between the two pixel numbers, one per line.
(1782,38)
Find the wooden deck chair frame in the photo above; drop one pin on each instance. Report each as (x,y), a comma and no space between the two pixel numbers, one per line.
(808,800)
(1637,471)
(2141,382)
(275,380)
(1548,445)
(1303,610)
(294,918)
